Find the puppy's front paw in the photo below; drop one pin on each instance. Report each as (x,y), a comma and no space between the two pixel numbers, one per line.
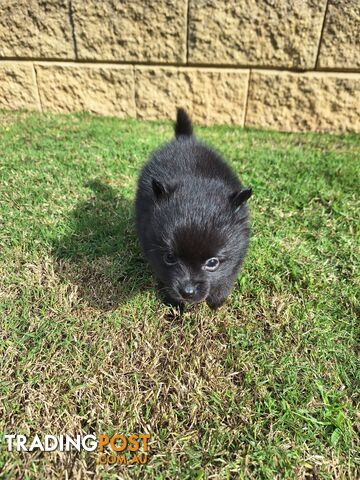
(175,304)
(215,303)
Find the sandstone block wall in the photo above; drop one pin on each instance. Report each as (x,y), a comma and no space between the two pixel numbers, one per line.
(290,65)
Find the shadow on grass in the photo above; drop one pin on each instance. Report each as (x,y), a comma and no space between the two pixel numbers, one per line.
(101,255)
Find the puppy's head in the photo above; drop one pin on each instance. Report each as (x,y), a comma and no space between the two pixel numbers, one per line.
(197,246)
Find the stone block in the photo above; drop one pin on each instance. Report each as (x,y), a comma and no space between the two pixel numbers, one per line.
(113,30)
(340,44)
(277,33)
(104,90)
(36,29)
(210,95)
(18,87)
(327,102)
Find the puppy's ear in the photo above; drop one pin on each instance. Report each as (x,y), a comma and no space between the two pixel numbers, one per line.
(162,190)
(239,197)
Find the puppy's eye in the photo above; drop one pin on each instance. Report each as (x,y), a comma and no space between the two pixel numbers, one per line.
(212,264)
(170,259)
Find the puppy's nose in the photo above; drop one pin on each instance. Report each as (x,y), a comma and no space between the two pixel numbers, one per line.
(188,291)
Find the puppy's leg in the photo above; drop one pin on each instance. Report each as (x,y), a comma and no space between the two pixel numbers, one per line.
(218,294)
(168,300)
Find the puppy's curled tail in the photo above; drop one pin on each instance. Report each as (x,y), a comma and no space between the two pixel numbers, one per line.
(183,125)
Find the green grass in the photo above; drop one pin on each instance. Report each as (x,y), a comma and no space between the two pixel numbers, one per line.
(264,388)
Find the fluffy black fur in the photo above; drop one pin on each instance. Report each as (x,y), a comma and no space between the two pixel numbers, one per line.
(191,207)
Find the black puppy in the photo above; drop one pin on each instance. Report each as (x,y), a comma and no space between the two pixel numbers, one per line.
(192,219)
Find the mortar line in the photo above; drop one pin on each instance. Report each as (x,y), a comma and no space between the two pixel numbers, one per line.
(187,30)
(72,24)
(34,73)
(246,98)
(134,80)
(321,34)
(226,66)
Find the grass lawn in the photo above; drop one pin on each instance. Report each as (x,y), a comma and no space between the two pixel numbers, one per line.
(267,387)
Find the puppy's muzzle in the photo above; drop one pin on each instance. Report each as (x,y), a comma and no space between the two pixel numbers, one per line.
(192,292)
(187,291)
